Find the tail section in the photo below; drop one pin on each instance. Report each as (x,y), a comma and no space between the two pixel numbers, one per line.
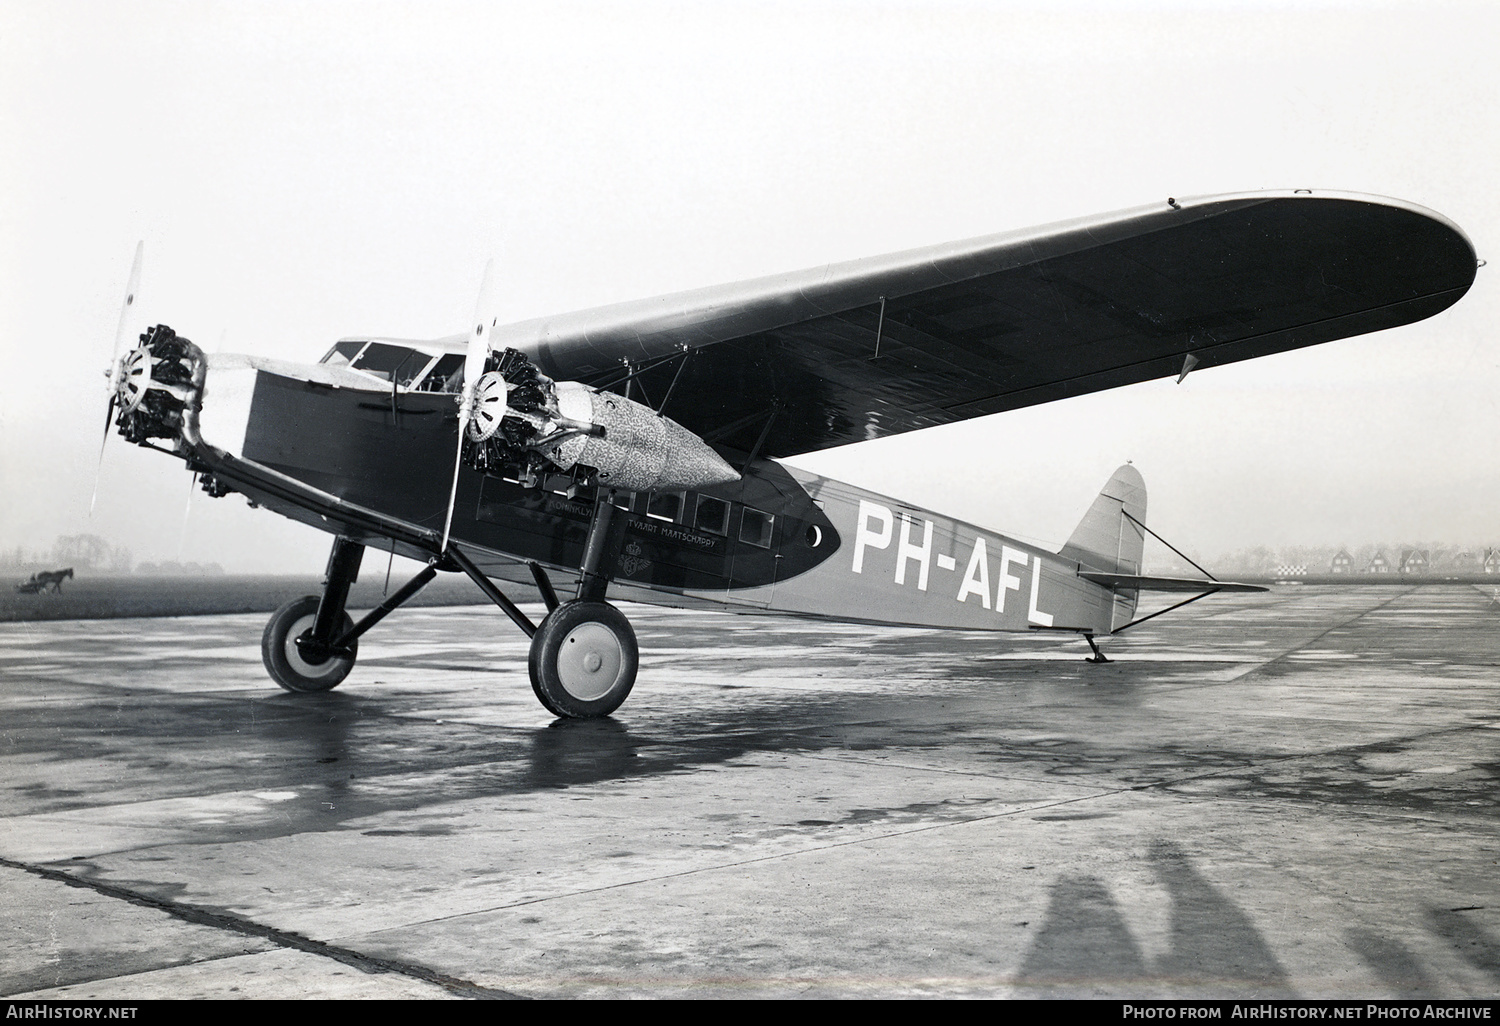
(1107,540)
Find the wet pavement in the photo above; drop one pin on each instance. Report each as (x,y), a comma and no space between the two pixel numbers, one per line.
(1280,795)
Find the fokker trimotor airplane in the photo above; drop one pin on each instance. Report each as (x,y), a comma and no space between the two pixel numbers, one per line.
(634,449)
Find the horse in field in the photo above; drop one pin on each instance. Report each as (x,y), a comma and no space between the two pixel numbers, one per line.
(43,581)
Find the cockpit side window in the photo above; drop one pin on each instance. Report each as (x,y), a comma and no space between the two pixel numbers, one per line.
(447,375)
(343,353)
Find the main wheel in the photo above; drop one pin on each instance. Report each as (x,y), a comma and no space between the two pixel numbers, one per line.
(583,659)
(286,665)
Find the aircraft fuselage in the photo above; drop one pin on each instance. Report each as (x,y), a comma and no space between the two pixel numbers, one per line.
(780,539)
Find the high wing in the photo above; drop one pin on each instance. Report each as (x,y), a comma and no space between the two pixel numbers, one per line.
(859,350)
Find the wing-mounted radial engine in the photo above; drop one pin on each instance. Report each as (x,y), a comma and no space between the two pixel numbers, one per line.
(524,423)
(157,387)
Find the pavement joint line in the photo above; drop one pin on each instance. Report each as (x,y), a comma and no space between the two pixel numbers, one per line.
(1282,760)
(810,850)
(232,923)
(1295,648)
(205,960)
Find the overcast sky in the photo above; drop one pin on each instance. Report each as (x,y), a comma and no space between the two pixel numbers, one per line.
(306,170)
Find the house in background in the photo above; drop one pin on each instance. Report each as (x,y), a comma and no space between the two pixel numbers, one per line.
(1492,561)
(1378,564)
(1343,563)
(1413,561)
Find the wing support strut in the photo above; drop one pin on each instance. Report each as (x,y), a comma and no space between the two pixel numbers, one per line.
(633,371)
(760,439)
(487,586)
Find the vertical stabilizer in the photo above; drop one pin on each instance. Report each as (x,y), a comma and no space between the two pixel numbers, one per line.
(1105,539)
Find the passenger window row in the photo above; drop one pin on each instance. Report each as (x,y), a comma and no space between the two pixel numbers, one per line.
(709,514)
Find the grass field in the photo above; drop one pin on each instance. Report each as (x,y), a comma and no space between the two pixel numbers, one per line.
(104,597)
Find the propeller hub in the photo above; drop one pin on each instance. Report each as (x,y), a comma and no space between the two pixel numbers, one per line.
(134,378)
(488,406)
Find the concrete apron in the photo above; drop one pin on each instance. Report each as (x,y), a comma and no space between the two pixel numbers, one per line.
(1284,795)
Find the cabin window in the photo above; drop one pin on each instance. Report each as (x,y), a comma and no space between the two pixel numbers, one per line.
(447,375)
(755,528)
(343,353)
(665,506)
(713,515)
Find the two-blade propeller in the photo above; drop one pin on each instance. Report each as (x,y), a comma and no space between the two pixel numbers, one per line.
(127,309)
(474,359)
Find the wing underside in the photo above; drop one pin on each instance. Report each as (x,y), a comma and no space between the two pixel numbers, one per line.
(877,347)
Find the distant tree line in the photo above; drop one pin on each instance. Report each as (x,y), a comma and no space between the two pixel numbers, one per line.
(89,552)
(79,551)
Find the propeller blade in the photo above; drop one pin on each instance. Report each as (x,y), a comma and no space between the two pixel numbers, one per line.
(479,339)
(187,509)
(474,358)
(126,309)
(132,287)
(109,415)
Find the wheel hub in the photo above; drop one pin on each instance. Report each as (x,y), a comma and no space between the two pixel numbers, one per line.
(590,661)
(304,657)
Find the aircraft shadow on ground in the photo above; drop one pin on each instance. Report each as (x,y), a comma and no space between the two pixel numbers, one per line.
(1214,950)
(1213,947)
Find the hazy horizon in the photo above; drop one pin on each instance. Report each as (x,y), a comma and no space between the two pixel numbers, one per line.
(301,172)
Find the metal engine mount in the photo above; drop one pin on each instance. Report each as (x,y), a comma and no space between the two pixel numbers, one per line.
(158,385)
(525,424)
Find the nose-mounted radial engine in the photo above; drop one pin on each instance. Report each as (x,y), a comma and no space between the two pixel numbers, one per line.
(157,385)
(524,423)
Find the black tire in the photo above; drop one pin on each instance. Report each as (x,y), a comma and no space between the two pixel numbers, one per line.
(583,660)
(286,665)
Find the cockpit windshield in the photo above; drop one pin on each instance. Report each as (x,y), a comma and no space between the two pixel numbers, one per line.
(401,364)
(341,354)
(408,367)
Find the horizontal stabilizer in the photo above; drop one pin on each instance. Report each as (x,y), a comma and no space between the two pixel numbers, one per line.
(1133,582)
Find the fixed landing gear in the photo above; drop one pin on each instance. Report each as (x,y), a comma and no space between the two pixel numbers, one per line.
(287,663)
(310,643)
(583,656)
(583,659)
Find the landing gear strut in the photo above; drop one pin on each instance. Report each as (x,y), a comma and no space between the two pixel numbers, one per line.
(584,656)
(304,646)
